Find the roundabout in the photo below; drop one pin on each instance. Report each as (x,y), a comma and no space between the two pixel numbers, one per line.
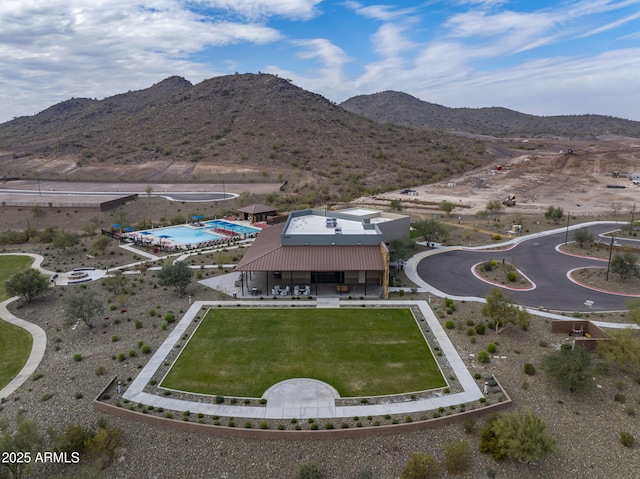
(448,272)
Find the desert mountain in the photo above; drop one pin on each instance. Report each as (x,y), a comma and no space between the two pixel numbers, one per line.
(237,128)
(403,109)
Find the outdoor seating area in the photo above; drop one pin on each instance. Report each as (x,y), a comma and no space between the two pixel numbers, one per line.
(286,291)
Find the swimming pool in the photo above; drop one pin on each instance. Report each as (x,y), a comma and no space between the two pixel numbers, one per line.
(182,234)
(240,229)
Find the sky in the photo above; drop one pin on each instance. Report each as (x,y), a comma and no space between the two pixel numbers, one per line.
(538,57)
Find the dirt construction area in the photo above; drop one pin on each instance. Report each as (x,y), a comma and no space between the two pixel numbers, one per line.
(586,178)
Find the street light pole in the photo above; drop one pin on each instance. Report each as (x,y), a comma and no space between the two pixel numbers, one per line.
(566,236)
(610,253)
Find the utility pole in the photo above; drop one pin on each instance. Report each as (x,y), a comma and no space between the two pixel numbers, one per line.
(610,253)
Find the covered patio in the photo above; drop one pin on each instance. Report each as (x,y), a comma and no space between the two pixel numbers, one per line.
(271,269)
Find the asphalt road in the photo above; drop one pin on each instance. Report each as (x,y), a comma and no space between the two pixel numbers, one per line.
(450,272)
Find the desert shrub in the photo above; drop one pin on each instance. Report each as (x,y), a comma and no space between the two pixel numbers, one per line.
(450,303)
(421,466)
(619,397)
(169,317)
(71,439)
(152,312)
(487,266)
(497,237)
(484,357)
(516,435)
(449,324)
(512,276)
(529,369)
(114,338)
(470,331)
(457,457)
(469,425)
(145,349)
(309,470)
(492,348)
(627,439)
(138,324)
(219,399)
(77,357)
(101,448)
(480,329)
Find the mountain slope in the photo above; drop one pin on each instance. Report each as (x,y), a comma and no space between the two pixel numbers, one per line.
(404,109)
(241,127)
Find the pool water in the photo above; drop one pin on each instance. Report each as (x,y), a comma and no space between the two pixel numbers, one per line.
(231,227)
(182,234)
(193,236)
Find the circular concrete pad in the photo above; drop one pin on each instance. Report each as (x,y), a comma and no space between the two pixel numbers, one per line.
(301,398)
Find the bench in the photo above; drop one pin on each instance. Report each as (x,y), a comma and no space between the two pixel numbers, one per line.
(342,288)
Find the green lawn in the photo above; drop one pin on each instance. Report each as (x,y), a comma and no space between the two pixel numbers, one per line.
(360,352)
(9,265)
(15,347)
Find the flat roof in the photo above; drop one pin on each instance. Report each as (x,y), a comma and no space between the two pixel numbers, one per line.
(359,212)
(317,225)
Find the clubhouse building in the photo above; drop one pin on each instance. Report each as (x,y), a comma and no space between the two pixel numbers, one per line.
(317,252)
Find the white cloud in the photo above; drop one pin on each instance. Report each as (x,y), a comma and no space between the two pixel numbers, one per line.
(253,9)
(52,51)
(384,13)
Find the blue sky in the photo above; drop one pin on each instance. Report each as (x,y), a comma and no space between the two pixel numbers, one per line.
(538,57)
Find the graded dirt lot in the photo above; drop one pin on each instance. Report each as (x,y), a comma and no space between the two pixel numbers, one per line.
(546,175)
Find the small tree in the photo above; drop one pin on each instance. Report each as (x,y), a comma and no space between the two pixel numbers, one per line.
(457,456)
(517,435)
(396,205)
(401,249)
(91,226)
(582,237)
(572,368)
(503,311)
(64,240)
(28,284)
(115,284)
(148,190)
(447,207)
(421,466)
(624,265)
(622,350)
(493,207)
(178,275)
(430,229)
(25,439)
(101,244)
(83,305)
(554,213)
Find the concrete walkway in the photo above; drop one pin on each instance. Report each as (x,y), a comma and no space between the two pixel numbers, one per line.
(300,397)
(37,348)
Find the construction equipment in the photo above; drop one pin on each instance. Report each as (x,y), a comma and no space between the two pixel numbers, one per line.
(510,201)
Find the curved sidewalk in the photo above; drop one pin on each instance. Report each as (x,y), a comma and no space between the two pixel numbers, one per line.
(37,348)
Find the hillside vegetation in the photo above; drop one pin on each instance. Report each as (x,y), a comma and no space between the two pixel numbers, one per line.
(404,109)
(242,128)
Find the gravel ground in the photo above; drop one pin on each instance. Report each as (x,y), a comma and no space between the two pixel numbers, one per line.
(587,427)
